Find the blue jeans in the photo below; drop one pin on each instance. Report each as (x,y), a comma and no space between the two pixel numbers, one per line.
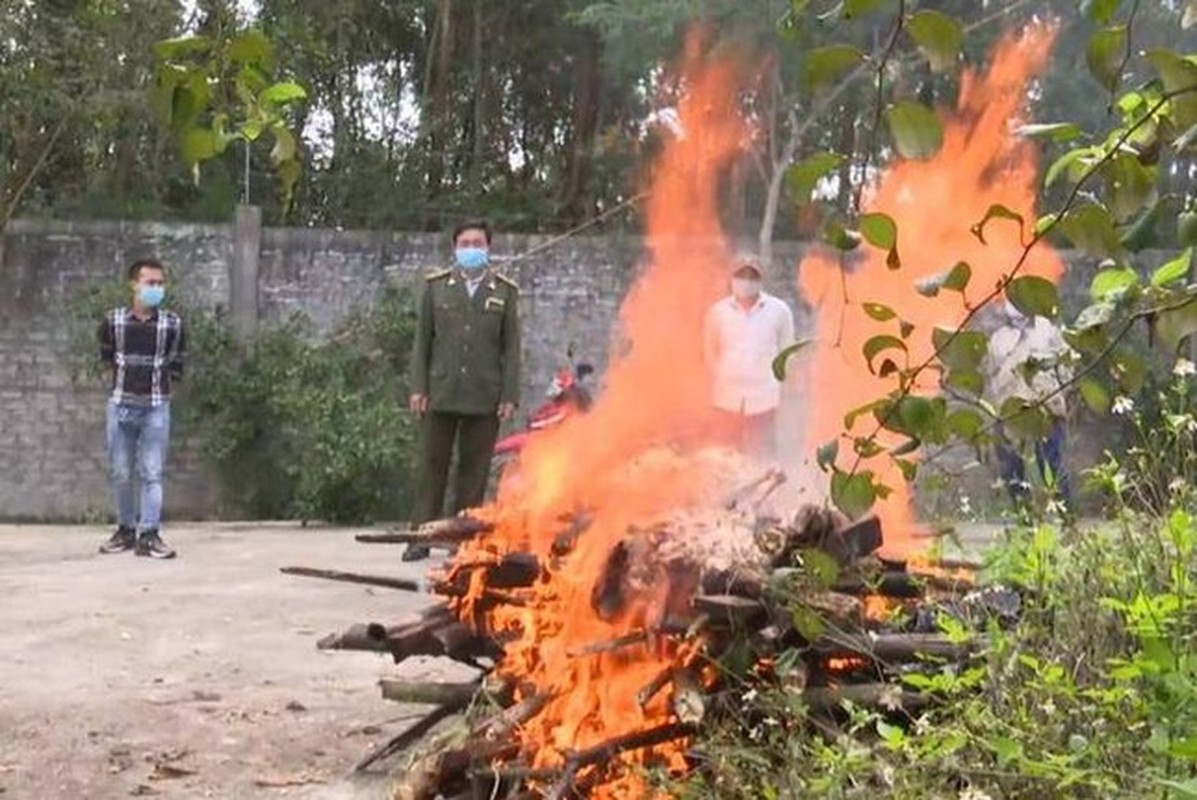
(137,439)
(1049,456)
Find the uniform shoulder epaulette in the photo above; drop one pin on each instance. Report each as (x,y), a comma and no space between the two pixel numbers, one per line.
(501,277)
(438,274)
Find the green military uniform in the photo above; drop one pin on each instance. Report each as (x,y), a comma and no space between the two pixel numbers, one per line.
(466,359)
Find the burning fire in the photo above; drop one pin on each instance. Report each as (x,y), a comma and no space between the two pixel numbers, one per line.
(934,202)
(618,465)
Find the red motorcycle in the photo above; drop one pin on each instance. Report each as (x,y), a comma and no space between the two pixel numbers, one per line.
(566,398)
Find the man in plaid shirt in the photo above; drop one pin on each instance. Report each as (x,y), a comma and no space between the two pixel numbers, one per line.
(143,345)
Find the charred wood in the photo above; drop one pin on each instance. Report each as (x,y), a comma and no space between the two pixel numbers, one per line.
(385,581)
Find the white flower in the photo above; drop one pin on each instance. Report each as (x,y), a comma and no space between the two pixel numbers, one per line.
(749,696)
(973,794)
(1048,708)
(1123,405)
(966,505)
(1184,368)
(1177,485)
(771,721)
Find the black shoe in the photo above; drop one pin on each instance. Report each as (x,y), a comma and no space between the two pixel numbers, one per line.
(149,543)
(416,552)
(119,542)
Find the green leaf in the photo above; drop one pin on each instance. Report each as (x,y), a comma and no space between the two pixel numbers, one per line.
(168,49)
(968,381)
(1105,54)
(880,230)
(958,277)
(1129,186)
(1178,75)
(1186,229)
(1173,327)
(781,359)
(1099,11)
(825,456)
(200,144)
(1129,369)
(1094,394)
(284,145)
(803,177)
(1073,163)
(965,423)
(1185,789)
(960,350)
(1090,228)
(840,237)
(879,344)
(996,211)
(854,9)
(916,416)
(824,65)
(938,38)
(1112,281)
(909,469)
(879,312)
(284,92)
(1034,296)
(251,47)
(907,447)
(1052,131)
(853,494)
(915,129)
(1025,421)
(1174,270)
(853,415)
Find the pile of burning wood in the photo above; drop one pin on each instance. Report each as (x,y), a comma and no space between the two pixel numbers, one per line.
(687,611)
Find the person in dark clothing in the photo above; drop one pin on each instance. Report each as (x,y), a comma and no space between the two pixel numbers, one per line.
(143,346)
(465,375)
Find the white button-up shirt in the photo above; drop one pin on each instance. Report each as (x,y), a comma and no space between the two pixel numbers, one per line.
(740,345)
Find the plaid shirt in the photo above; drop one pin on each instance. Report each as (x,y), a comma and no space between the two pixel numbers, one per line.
(145,355)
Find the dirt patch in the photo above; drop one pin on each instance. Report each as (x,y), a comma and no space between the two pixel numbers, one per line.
(198,677)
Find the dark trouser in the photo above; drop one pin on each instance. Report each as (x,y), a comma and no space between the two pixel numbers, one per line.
(752,434)
(1049,456)
(474,435)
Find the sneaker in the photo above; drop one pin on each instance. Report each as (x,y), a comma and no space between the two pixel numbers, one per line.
(416,552)
(151,544)
(119,542)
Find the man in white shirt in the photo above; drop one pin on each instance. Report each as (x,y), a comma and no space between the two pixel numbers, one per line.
(1028,359)
(744,332)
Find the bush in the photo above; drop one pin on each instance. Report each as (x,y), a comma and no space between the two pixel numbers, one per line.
(296,427)
(1092,694)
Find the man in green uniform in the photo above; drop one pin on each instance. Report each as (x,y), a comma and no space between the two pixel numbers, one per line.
(465,374)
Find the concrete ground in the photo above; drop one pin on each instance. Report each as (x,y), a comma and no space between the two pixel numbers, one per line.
(199,677)
(122,676)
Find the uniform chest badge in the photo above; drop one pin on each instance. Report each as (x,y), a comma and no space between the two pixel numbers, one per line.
(495,304)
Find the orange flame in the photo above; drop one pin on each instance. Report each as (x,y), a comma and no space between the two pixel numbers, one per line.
(934,202)
(655,393)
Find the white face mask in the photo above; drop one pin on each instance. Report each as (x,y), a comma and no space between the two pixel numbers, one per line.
(745,288)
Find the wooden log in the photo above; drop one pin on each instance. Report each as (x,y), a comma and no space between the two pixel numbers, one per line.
(653,687)
(385,581)
(728,609)
(598,755)
(405,739)
(610,645)
(457,695)
(898,648)
(500,726)
(836,608)
(369,638)
(452,530)
(880,696)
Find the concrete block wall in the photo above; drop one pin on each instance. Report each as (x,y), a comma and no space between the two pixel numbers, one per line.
(51,426)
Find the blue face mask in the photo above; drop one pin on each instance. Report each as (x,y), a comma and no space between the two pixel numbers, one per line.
(151,296)
(471,259)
